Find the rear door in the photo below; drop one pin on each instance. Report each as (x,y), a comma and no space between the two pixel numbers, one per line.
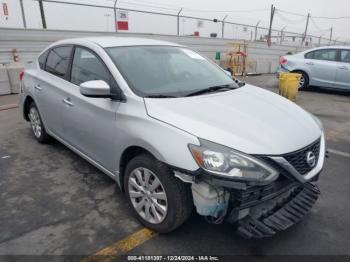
(343,70)
(322,65)
(90,124)
(49,83)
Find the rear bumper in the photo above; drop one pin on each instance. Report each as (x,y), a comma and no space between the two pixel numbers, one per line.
(278,214)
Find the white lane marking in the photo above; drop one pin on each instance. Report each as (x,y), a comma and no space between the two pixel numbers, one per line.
(339,153)
(4,157)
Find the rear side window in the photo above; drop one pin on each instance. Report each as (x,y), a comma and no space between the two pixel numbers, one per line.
(323,54)
(57,62)
(87,66)
(345,56)
(42,59)
(309,55)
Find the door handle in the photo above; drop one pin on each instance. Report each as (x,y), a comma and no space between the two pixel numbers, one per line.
(67,102)
(310,63)
(37,87)
(343,67)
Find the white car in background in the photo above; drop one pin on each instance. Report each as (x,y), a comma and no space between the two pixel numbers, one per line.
(327,67)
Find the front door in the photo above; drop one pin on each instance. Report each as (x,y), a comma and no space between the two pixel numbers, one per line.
(343,70)
(90,124)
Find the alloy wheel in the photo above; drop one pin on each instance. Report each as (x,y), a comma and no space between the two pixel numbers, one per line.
(35,121)
(147,195)
(302,81)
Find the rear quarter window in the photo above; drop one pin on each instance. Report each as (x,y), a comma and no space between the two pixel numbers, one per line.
(309,55)
(42,59)
(57,62)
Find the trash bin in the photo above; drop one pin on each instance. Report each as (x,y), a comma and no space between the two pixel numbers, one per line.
(289,85)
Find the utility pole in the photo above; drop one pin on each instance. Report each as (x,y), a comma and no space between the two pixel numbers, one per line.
(23,15)
(256,29)
(306,27)
(223,27)
(273,9)
(178,21)
(331,36)
(41,7)
(115,15)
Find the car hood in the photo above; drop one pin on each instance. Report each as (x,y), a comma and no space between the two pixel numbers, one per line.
(248,119)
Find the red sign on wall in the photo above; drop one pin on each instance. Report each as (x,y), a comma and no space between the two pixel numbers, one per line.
(123,25)
(5,9)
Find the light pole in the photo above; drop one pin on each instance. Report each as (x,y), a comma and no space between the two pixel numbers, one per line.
(115,15)
(256,29)
(178,21)
(183,26)
(223,26)
(282,35)
(107,21)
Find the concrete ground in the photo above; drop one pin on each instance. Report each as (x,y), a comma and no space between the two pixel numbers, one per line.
(52,202)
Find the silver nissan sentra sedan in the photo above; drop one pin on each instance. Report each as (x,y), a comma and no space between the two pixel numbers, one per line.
(326,67)
(175,132)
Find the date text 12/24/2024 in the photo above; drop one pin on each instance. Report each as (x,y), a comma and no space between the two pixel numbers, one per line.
(173,258)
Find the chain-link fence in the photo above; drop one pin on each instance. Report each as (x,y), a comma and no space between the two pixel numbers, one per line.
(68,15)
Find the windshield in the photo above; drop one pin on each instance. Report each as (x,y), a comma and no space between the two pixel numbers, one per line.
(167,71)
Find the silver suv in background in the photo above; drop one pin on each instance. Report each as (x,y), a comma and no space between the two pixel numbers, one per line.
(327,67)
(176,132)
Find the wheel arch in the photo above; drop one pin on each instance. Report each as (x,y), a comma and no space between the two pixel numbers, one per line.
(27,101)
(301,71)
(128,154)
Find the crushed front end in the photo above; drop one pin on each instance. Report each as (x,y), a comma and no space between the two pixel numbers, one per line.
(262,209)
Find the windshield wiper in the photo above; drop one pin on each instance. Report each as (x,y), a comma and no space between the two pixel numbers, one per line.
(160,96)
(212,89)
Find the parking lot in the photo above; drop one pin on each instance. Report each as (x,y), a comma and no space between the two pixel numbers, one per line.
(55,203)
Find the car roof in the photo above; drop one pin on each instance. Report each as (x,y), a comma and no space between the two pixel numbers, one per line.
(112,41)
(330,47)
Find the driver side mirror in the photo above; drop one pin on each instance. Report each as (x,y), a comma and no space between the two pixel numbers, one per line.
(95,88)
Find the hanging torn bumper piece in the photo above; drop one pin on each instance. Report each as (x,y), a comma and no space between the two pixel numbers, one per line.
(280,213)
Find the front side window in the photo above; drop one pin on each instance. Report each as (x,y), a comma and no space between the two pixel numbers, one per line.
(345,56)
(58,61)
(87,66)
(324,54)
(166,70)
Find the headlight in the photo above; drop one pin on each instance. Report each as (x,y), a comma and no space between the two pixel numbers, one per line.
(227,162)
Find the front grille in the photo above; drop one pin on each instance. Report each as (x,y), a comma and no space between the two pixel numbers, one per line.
(298,159)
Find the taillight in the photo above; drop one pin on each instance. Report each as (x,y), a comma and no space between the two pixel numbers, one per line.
(21,75)
(283,60)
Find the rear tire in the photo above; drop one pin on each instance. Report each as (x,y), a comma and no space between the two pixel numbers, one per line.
(304,81)
(37,125)
(169,204)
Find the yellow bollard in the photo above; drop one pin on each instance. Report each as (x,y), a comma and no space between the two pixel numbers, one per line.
(289,85)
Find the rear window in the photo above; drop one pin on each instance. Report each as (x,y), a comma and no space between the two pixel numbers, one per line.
(323,54)
(58,61)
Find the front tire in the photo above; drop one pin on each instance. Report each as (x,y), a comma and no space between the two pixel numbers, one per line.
(37,125)
(160,201)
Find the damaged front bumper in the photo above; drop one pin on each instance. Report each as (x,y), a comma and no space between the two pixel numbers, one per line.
(277,214)
(260,210)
